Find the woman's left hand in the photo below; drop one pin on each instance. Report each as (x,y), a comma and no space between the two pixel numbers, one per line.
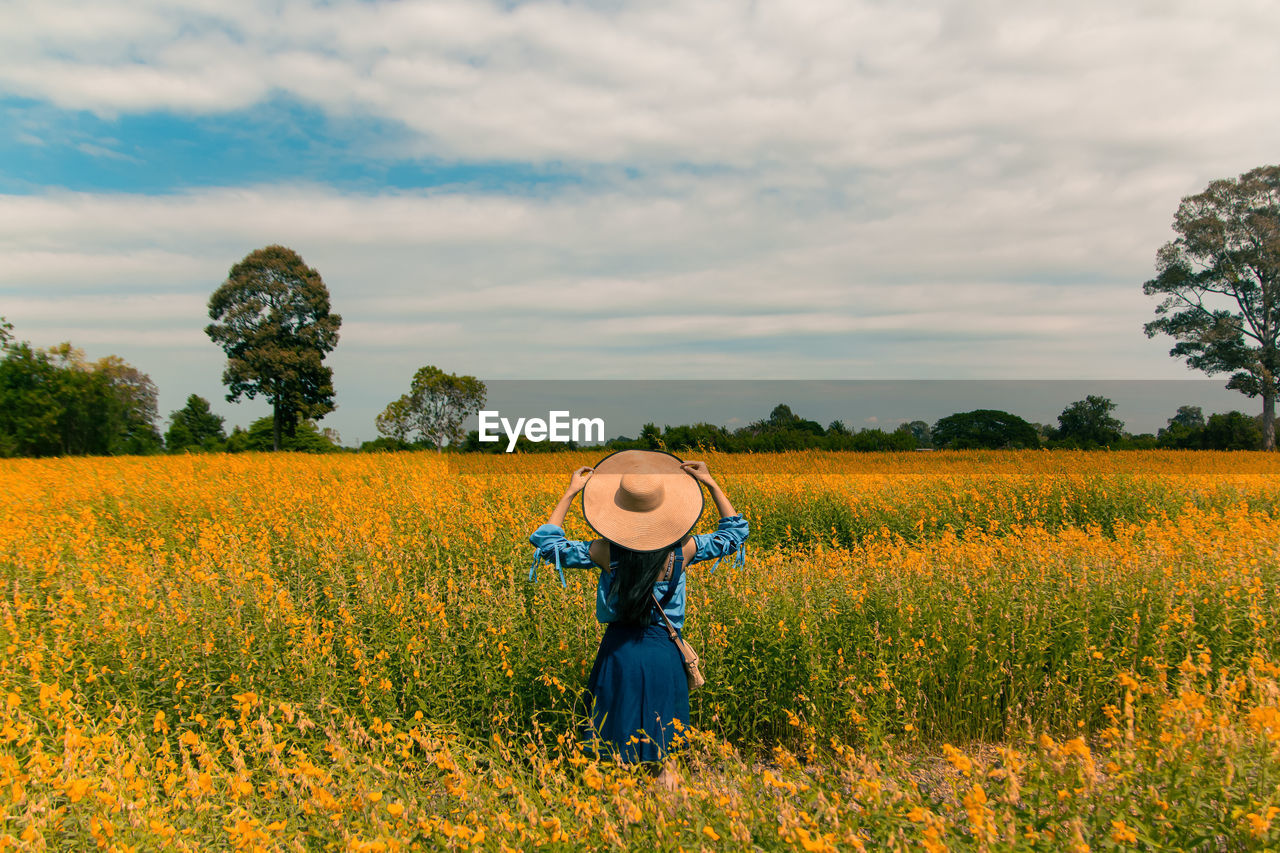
(698,471)
(578,479)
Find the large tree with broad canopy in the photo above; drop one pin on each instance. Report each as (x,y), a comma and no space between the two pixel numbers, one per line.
(272,319)
(1220,280)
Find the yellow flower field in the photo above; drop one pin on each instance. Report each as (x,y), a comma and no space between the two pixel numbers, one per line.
(987,651)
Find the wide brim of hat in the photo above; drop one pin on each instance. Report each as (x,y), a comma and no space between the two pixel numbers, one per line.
(681,507)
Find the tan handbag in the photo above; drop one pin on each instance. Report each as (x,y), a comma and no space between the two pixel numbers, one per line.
(690,657)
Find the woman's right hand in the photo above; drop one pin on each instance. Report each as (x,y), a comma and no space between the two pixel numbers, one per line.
(578,479)
(699,472)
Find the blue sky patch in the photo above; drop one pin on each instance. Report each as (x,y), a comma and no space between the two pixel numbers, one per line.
(281,141)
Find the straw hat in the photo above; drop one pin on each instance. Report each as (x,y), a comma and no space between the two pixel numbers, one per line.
(642,499)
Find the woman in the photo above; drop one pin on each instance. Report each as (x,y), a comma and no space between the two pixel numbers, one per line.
(644,504)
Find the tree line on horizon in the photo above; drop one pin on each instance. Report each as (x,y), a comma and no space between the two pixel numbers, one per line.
(1083,425)
(54,402)
(1219,280)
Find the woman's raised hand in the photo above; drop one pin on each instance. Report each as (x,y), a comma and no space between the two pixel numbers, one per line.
(578,479)
(699,472)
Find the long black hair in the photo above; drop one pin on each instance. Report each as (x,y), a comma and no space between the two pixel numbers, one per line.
(633,579)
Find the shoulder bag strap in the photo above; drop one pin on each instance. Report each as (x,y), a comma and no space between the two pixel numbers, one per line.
(671,629)
(676,571)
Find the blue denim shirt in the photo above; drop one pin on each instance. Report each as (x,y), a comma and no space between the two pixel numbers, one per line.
(551,545)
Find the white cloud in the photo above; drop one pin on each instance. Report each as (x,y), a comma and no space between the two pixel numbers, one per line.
(60,264)
(142,344)
(838,84)
(127,311)
(701,278)
(782,189)
(388,334)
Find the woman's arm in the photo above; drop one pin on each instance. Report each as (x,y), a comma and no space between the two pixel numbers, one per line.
(730,533)
(549,540)
(577,482)
(699,472)
(599,553)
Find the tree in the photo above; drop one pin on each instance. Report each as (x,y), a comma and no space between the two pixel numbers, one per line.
(782,430)
(107,406)
(386,444)
(238,440)
(195,426)
(30,405)
(306,438)
(6,333)
(83,400)
(434,408)
(906,435)
(782,417)
(877,440)
(272,319)
(989,428)
(1188,416)
(260,436)
(1231,431)
(1185,429)
(132,407)
(1088,423)
(700,436)
(651,436)
(920,430)
(1220,280)
(53,402)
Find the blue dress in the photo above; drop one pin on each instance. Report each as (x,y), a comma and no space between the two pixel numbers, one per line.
(637,688)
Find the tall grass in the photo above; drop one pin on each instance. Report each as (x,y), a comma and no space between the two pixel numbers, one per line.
(889,603)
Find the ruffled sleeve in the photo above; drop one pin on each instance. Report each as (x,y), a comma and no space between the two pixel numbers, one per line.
(729,536)
(549,544)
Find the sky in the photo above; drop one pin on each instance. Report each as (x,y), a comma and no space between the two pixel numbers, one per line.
(804,190)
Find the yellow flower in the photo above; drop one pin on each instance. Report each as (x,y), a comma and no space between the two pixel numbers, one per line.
(958,759)
(1260,824)
(77,789)
(1076,746)
(630,811)
(1121,833)
(591,778)
(554,829)
(813,842)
